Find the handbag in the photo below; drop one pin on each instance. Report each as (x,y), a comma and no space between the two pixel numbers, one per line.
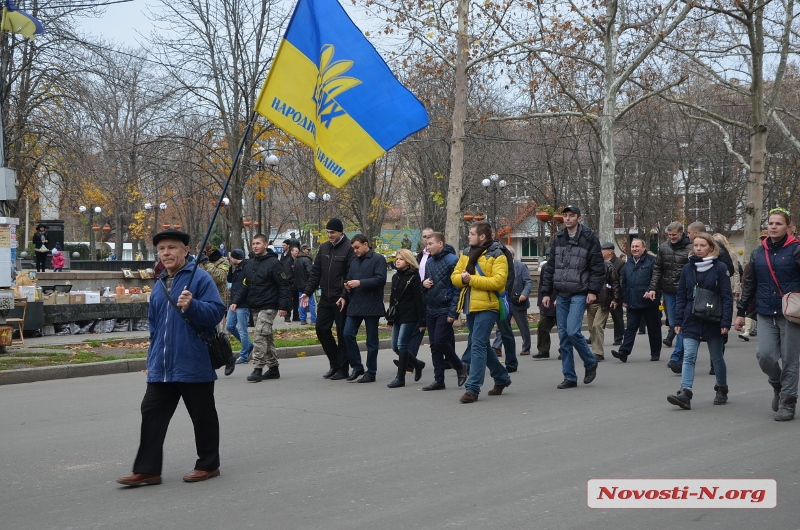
(391,312)
(707,303)
(790,302)
(219,346)
(503,307)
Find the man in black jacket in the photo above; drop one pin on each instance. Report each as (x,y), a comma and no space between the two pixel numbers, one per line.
(366,280)
(635,295)
(265,289)
(673,254)
(328,273)
(575,271)
(617,314)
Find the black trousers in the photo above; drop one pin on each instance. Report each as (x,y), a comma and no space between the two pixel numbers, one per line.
(617,315)
(41,261)
(651,318)
(328,314)
(443,345)
(158,405)
(546,325)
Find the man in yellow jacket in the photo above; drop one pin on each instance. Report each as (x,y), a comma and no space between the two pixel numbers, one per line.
(481,274)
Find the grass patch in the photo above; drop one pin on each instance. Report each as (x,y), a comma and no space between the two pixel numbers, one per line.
(33,360)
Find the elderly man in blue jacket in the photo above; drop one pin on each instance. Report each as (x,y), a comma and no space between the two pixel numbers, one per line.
(178,364)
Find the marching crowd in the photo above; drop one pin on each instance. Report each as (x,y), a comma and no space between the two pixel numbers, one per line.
(699,280)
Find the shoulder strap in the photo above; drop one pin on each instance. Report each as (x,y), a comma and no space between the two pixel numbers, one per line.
(771,270)
(181,313)
(403,291)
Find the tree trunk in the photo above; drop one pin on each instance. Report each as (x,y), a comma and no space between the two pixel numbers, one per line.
(455,187)
(754,207)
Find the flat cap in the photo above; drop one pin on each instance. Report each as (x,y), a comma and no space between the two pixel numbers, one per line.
(183,237)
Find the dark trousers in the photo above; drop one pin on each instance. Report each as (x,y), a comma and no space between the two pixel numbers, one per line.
(351,326)
(41,261)
(328,314)
(617,315)
(652,320)
(505,336)
(158,405)
(443,346)
(416,341)
(546,325)
(295,305)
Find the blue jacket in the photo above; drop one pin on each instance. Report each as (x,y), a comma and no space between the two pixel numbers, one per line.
(715,279)
(367,299)
(759,285)
(635,280)
(442,298)
(176,353)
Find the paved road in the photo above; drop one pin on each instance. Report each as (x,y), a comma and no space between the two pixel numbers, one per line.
(307,453)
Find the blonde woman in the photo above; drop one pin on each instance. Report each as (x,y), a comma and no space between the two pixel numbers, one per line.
(409,314)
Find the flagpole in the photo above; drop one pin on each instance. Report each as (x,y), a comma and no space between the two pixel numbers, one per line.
(225,187)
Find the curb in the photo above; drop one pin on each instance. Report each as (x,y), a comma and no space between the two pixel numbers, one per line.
(69,371)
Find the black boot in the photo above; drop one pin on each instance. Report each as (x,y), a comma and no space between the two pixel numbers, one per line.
(786,408)
(256,376)
(683,398)
(400,378)
(273,373)
(414,365)
(722,395)
(777,397)
(670,337)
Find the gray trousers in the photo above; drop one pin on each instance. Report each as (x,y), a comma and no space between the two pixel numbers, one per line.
(520,314)
(777,352)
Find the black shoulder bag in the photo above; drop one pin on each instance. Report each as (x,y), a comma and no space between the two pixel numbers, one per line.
(707,303)
(391,312)
(219,347)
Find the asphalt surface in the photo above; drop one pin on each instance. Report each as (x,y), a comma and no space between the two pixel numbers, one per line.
(307,453)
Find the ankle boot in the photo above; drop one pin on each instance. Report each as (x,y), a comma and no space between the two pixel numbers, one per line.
(683,398)
(786,408)
(400,378)
(722,395)
(414,365)
(776,397)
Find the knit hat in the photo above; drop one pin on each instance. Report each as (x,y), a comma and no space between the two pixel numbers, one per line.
(335,225)
(237,254)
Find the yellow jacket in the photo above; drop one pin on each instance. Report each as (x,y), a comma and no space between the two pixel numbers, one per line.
(480,292)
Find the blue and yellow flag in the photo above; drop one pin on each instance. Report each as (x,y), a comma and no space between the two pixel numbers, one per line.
(18,21)
(329,88)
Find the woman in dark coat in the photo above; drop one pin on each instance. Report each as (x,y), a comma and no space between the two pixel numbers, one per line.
(41,250)
(706,271)
(407,300)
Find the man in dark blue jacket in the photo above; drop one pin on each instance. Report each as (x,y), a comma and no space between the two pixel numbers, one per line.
(178,365)
(441,301)
(636,279)
(575,272)
(364,298)
(237,321)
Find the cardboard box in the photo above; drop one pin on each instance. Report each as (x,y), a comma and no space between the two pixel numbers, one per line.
(62,298)
(92,297)
(49,299)
(77,298)
(137,298)
(27,291)
(123,299)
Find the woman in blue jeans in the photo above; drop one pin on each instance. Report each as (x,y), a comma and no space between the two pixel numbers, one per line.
(407,300)
(706,271)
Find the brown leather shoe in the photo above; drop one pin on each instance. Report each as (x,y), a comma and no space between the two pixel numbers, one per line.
(139,479)
(525,352)
(468,398)
(198,475)
(498,389)
(498,351)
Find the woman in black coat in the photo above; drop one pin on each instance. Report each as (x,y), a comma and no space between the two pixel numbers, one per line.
(706,271)
(409,314)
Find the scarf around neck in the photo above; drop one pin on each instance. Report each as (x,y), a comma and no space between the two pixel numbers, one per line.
(704,264)
(475,253)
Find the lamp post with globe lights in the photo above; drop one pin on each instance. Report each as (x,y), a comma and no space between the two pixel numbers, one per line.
(92,211)
(272,162)
(319,199)
(493,185)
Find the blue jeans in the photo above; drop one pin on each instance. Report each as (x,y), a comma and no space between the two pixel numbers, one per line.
(569,316)
(402,335)
(670,300)
(312,309)
(690,347)
(351,325)
(237,326)
(481,356)
(415,341)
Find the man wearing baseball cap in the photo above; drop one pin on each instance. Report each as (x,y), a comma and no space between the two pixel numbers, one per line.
(575,271)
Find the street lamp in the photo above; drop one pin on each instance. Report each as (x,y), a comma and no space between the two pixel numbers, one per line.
(272,161)
(319,199)
(494,184)
(92,211)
